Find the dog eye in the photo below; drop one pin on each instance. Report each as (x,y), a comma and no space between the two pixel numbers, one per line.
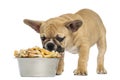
(43,38)
(60,39)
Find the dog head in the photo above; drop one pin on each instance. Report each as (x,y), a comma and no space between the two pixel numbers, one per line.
(53,33)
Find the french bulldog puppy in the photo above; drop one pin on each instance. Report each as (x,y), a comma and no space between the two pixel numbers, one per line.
(75,33)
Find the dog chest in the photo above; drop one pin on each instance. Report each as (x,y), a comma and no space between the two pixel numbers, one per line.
(72,49)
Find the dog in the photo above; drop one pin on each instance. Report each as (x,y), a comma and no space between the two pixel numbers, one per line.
(75,33)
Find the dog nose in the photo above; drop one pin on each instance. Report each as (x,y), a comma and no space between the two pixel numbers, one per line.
(50,46)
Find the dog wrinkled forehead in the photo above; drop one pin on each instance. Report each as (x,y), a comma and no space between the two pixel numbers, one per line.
(50,29)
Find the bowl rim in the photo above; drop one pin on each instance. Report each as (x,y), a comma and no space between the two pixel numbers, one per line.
(37,58)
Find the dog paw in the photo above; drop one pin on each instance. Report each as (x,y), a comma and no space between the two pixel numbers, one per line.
(59,72)
(101,70)
(80,72)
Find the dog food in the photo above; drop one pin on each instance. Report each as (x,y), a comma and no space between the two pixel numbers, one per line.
(36,52)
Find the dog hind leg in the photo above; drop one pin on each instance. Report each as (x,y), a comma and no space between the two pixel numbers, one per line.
(101,44)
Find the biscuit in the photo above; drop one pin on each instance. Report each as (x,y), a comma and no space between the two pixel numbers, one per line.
(36,52)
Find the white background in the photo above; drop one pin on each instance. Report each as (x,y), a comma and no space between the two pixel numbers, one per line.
(14,34)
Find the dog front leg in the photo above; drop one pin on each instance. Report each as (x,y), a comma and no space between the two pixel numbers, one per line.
(82,61)
(60,66)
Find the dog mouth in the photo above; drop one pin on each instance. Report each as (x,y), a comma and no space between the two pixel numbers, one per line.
(60,49)
(53,46)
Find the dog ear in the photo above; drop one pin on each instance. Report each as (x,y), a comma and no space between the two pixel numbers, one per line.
(33,24)
(73,25)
